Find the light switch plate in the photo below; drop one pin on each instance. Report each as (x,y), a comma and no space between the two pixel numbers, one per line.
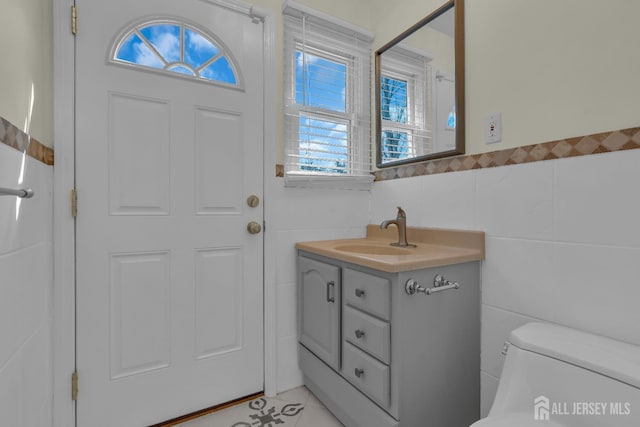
(493,128)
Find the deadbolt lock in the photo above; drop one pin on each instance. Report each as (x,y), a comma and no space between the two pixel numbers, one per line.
(253,201)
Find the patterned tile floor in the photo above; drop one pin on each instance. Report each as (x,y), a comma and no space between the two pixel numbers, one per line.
(294,408)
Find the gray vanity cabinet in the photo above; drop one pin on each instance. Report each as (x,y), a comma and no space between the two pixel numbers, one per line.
(319,309)
(377,356)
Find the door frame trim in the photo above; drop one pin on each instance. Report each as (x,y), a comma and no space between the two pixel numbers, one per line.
(271,117)
(64,337)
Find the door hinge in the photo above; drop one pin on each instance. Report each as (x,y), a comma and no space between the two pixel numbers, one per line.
(74,203)
(74,385)
(74,20)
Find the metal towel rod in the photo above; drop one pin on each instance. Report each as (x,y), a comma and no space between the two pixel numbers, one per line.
(23,193)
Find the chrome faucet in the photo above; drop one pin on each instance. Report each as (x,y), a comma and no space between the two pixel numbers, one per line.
(401,223)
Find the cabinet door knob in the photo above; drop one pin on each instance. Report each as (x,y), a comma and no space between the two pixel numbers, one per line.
(359,372)
(359,293)
(359,333)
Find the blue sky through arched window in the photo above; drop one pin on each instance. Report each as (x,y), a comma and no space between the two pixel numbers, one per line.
(176,48)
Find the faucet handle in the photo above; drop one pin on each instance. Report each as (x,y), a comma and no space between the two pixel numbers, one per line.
(401,213)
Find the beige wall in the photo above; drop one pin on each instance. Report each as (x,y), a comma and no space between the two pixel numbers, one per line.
(26,67)
(392,18)
(555,69)
(438,45)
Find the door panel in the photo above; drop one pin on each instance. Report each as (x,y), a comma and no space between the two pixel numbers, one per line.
(219,290)
(214,130)
(169,283)
(139,284)
(139,140)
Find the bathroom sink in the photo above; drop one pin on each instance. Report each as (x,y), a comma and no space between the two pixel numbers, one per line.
(372,249)
(435,247)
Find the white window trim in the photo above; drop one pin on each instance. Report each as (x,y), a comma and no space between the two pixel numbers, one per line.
(339,35)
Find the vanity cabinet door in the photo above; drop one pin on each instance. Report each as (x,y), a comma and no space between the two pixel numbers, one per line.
(319,299)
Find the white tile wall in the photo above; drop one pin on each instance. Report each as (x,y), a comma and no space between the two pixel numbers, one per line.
(296,215)
(562,246)
(597,289)
(26,280)
(518,276)
(441,201)
(516,201)
(562,243)
(496,326)
(488,389)
(11,413)
(597,199)
(387,195)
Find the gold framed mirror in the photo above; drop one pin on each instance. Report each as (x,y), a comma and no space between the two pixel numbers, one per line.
(419,90)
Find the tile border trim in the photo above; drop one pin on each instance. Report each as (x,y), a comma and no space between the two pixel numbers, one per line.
(13,137)
(605,142)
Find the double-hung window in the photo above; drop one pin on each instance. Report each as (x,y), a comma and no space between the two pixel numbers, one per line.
(405,104)
(327,100)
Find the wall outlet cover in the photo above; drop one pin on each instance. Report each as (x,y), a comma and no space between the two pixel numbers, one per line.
(493,128)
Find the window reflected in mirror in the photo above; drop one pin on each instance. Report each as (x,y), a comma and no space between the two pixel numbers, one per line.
(405,111)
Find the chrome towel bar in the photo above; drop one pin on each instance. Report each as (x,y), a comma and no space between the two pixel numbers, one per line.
(439,284)
(23,193)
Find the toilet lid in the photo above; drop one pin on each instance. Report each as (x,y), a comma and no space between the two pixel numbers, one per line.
(514,420)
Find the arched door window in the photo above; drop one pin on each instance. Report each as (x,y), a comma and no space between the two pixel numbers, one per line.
(176,48)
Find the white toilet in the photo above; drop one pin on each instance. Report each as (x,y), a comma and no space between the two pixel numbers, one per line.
(556,376)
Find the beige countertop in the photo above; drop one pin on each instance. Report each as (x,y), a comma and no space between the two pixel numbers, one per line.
(435,247)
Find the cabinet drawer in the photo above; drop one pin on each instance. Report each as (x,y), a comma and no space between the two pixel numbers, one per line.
(367,292)
(366,332)
(366,373)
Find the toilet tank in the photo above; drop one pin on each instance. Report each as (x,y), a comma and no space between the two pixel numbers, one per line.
(578,379)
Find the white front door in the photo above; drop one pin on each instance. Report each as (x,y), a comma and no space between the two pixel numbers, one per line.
(169,281)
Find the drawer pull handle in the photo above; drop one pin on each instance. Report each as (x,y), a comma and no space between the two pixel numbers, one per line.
(359,333)
(359,372)
(359,293)
(330,286)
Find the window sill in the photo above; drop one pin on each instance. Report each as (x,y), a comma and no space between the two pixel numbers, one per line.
(332,182)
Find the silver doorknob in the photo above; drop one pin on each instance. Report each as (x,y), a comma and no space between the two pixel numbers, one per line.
(253,201)
(254,228)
